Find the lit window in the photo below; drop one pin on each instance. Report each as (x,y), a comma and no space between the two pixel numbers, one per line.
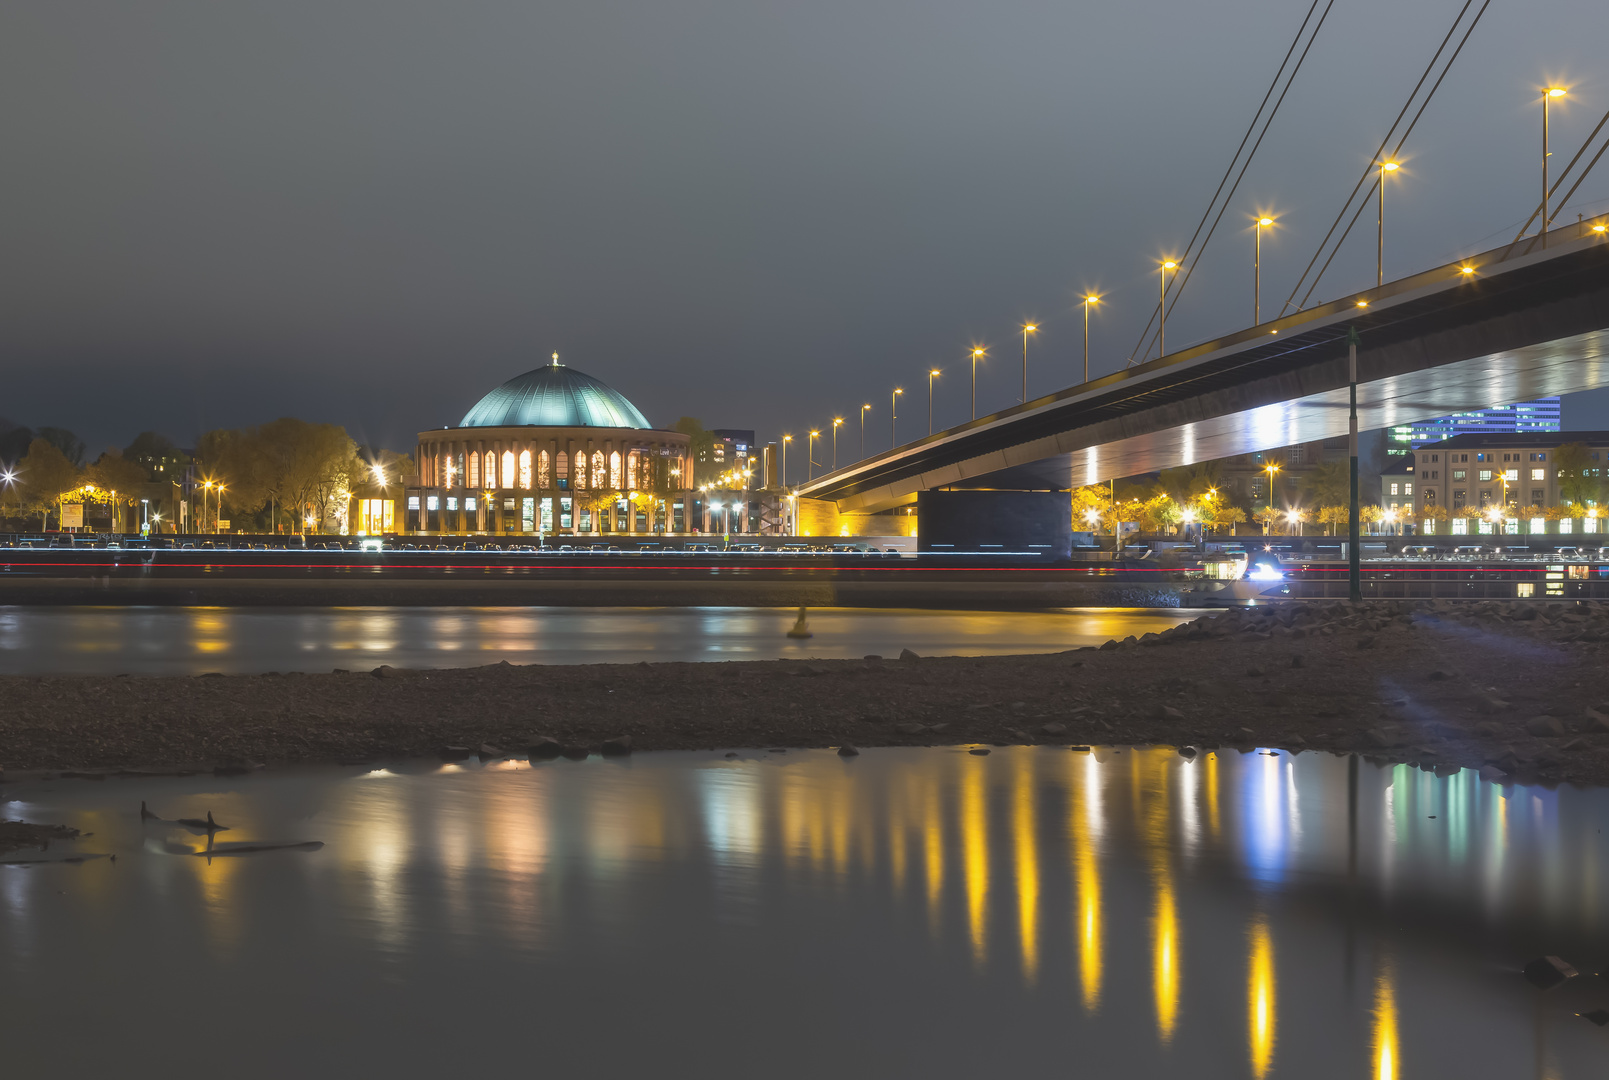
(1459,474)
(525,470)
(1511,474)
(413,502)
(452,503)
(1393,489)
(1539,474)
(1486,474)
(1407,489)
(432,503)
(508,468)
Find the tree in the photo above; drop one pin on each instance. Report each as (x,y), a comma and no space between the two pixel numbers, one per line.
(1328,483)
(1266,516)
(1334,515)
(705,468)
(1219,514)
(44,475)
(118,483)
(157,455)
(1189,482)
(1160,513)
(1091,508)
(1577,485)
(70,445)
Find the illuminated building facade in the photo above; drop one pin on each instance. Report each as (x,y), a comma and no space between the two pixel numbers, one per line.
(551,452)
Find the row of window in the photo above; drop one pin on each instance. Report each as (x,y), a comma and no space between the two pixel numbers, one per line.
(474,470)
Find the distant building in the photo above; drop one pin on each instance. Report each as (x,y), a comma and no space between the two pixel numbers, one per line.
(731,448)
(551,452)
(1497,477)
(1540,416)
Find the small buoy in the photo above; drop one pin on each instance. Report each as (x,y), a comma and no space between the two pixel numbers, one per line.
(801,628)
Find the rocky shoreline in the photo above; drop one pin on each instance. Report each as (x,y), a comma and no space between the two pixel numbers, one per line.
(1515,690)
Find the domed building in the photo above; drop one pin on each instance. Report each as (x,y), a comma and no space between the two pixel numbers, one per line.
(553,451)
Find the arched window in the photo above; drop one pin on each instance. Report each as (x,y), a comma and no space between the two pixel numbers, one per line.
(600,477)
(614,470)
(544,474)
(581,471)
(632,461)
(474,470)
(525,469)
(508,468)
(561,469)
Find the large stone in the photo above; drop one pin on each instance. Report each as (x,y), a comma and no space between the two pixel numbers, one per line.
(1545,726)
(1167,712)
(576,752)
(906,654)
(1053,728)
(619,746)
(1546,972)
(848,751)
(454,753)
(545,747)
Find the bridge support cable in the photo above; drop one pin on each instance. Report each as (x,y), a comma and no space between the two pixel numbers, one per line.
(1559,204)
(1379,153)
(1397,150)
(1190,252)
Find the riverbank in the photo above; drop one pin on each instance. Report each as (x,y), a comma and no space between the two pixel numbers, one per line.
(1515,689)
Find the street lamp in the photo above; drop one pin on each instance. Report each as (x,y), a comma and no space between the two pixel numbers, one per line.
(1257,272)
(978,353)
(1380,243)
(1027,328)
(836,421)
(931,375)
(1271,468)
(1548,94)
(810,456)
(1162,308)
(786,439)
(893,417)
(1089,299)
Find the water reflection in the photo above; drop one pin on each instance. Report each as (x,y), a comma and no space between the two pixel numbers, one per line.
(156,641)
(1128,903)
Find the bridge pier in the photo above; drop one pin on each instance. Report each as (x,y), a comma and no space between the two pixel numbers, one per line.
(995,521)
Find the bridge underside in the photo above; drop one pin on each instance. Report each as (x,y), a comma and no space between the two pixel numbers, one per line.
(1539,328)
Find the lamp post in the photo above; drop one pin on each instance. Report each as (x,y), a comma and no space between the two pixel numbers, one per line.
(1548,94)
(1027,328)
(863,410)
(1089,299)
(1162,308)
(786,439)
(893,417)
(1271,468)
(977,354)
(836,421)
(1257,273)
(810,456)
(1380,240)
(931,375)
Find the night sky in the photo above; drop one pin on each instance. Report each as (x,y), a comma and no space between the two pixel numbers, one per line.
(761,214)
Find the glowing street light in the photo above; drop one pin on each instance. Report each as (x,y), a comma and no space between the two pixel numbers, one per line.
(978,353)
(810,455)
(837,421)
(893,417)
(1257,272)
(786,439)
(1162,308)
(1027,328)
(863,410)
(1380,242)
(1548,94)
(1089,298)
(931,375)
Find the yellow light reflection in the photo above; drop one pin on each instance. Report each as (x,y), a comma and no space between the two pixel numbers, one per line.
(1211,766)
(933,830)
(1027,865)
(1260,994)
(1085,805)
(1385,1024)
(1166,961)
(975,854)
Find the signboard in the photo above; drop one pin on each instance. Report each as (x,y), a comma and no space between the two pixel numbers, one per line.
(72,516)
(223,524)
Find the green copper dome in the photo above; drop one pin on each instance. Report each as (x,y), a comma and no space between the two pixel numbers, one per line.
(554,396)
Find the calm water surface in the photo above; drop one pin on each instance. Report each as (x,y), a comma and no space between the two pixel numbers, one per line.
(910,912)
(188,641)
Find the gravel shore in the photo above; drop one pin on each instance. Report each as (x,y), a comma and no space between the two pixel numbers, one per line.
(1516,690)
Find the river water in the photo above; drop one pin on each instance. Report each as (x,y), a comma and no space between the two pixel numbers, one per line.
(189,641)
(909,912)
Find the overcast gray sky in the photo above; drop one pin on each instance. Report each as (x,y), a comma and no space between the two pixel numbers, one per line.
(757,213)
